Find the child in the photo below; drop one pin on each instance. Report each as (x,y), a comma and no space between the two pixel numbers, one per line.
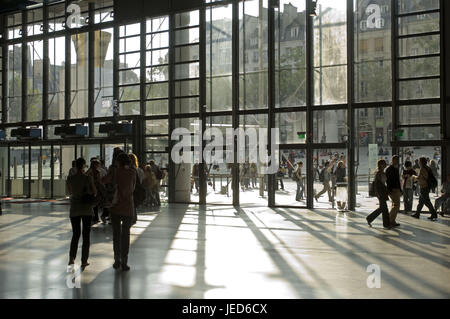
(408,181)
(445,190)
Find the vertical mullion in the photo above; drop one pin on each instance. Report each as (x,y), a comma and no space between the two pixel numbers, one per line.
(309,95)
(91,69)
(444,18)
(202,89)
(172,182)
(142,66)
(394,54)
(45,73)
(271,96)
(116,63)
(68,62)
(24,67)
(350,100)
(235,98)
(5,54)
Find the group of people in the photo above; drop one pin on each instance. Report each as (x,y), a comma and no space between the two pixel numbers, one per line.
(388,183)
(118,191)
(333,177)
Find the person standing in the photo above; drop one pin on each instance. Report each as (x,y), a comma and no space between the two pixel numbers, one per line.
(254,174)
(424,184)
(73,169)
(408,184)
(325,178)
(94,172)
(381,192)
(299,180)
(434,169)
(394,188)
(159,175)
(341,186)
(416,167)
(81,212)
(122,210)
(445,190)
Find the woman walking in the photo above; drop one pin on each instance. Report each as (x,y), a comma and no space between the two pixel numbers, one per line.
(122,211)
(81,189)
(381,193)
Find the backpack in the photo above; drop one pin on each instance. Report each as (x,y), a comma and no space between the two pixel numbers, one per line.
(432,182)
(321,175)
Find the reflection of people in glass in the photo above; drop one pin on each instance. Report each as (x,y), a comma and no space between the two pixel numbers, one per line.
(325,178)
(299,180)
(280,175)
(253,174)
(341,186)
(195,175)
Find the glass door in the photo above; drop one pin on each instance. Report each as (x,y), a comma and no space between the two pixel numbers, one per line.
(19,171)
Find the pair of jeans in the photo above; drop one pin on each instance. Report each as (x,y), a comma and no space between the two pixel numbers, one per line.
(299,195)
(121,237)
(76,230)
(395,195)
(408,199)
(424,199)
(383,209)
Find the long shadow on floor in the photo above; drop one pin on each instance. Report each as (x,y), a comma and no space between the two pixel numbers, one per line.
(363,262)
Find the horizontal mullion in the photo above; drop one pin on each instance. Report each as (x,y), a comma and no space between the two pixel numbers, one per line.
(418,125)
(128,85)
(329,107)
(294,146)
(157,32)
(187,27)
(253,111)
(128,101)
(186,79)
(368,105)
(322,146)
(416,35)
(157,82)
(157,99)
(186,96)
(129,69)
(130,36)
(186,62)
(290,109)
(156,65)
(422,56)
(156,49)
(409,14)
(186,115)
(129,52)
(419,102)
(419,78)
(185,45)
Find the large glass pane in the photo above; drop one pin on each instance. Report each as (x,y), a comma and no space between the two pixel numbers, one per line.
(34,81)
(103,73)
(373,80)
(219,172)
(292,127)
(291,178)
(330,178)
(14,98)
(330,53)
(330,126)
(373,134)
(253,62)
(79,75)
(218,57)
(407,6)
(56,78)
(290,53)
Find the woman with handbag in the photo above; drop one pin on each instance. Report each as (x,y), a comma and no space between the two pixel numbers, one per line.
(381,192)
(122,211)
(82,191)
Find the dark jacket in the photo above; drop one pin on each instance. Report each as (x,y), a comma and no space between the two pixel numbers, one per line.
(393,178)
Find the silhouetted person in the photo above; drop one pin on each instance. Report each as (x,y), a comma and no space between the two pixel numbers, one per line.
(381,192)
(394,188)
(408,186)
(424,198)
(122,211)
(445,190)
(80,211)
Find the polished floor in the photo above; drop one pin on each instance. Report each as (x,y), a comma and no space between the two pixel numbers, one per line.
(187,251)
